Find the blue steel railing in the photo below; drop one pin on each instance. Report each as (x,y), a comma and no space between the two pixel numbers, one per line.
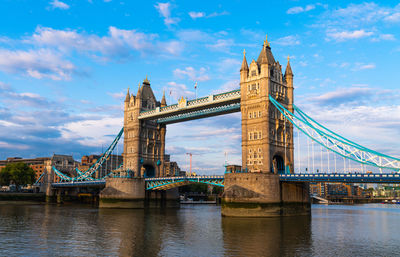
(343,178)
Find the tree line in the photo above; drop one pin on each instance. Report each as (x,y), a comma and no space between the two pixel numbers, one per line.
(19,174)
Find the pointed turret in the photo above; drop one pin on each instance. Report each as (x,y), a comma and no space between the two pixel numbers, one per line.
(127,96)
(138,92)
(289,84)
(245,66)
(266,56)
(288,71)
(163,101)
(244,70)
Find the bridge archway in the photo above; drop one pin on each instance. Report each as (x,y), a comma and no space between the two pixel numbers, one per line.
(278,164)
(149,171)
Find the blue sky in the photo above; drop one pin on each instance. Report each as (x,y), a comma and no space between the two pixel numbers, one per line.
(65,67)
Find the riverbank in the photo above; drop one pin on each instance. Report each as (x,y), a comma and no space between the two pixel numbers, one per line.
(14,196)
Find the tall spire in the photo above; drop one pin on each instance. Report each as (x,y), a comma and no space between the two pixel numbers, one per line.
(146,81)
(138,92)
(266,54)
(127,96)
(163,101)
(288,70)
(244,62)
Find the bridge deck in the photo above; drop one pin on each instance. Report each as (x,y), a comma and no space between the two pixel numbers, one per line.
(218,180)
(343,178)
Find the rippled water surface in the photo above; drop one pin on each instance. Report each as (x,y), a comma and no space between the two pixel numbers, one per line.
(199,230)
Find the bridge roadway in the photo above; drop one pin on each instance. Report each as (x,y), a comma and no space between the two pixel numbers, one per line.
(218,180)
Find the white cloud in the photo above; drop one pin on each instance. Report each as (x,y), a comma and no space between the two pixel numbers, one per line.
(299,9)
(13,146)
(359,15)
(192,74)
(92,132)
(42,63)
(215,14)
(165,11)
(56,4)
(374,127)
(222,45)
(389,37)
(346,35)
(364,66)
(287,41)
(176,91)
(229,64)
(395,17)
(195,15)
(343,95)
(228,86)
(193,35)
(116,43)
(172,47)
(117,95)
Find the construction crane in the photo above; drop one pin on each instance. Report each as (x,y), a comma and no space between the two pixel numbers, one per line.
(190,154)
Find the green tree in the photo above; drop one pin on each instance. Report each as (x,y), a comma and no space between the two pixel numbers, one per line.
(18,173)
(5,177)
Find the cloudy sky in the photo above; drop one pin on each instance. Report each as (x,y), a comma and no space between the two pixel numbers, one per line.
(65,66)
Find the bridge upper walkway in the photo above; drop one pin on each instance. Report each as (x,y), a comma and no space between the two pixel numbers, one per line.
(208,106)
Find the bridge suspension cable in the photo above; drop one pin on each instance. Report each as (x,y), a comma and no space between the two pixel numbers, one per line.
(336,143)
(96,167)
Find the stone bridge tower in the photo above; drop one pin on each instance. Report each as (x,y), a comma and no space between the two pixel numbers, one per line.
(267,138)
(267,145)
(144,141)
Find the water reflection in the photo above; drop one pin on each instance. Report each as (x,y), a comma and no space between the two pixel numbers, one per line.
(77,230)
(267,236)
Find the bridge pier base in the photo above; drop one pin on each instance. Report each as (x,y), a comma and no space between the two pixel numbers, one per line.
(263,195)
(123,193)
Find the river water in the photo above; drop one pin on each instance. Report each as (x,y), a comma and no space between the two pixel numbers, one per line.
(196,230)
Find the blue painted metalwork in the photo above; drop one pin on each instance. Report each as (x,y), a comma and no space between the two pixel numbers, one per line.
(343,178)
(40,178)
(87,175)
(171,182)
(95,167)
(79,184)
(335,143)
(196,114)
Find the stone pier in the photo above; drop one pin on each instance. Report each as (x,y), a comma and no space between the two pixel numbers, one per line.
(263,195)
(123,193)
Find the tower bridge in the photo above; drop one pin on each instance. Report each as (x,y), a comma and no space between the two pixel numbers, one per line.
(267,180)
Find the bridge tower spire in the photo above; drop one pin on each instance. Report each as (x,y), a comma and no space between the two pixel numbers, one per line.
(289,83)
(144,141)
